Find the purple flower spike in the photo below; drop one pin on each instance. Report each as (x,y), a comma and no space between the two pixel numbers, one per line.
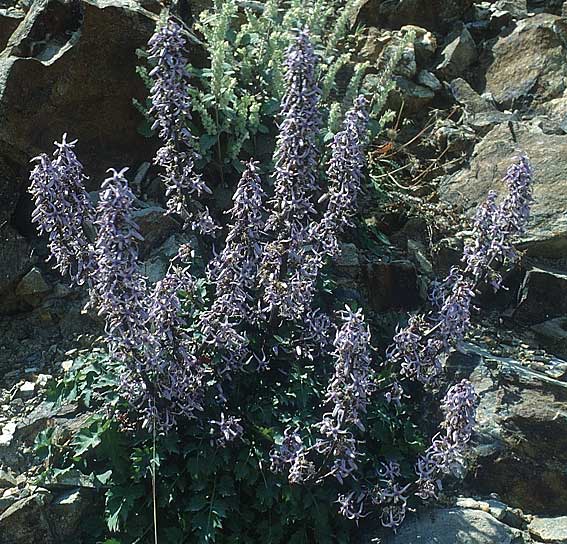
(63,210)
(171,111)
(119,286)
(345,172)
(285,277)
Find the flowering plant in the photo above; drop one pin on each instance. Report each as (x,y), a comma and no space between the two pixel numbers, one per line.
(250,359)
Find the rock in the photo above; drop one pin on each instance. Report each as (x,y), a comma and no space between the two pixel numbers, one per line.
(455,138)
(67,510)
(15,261)
(392,286)
(452,526)
(25,522)
(10,18)
(425,43)
(547,230)
(26,390)
(7,479)
(348,261)
(543,295)
(480,113)
(32,285)
(429,14)
(376,40)
(521,442)
(155,226)
(527,65)
(553,335)
(428,79)
(71,67)
(518,9)
(549,529)
(155,267)
(459,53)
(415,98)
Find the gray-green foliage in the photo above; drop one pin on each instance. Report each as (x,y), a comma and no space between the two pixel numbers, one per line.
(236,97)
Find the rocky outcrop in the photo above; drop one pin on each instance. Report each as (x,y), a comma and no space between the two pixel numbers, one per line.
(522,428)
(526,66)
(71,67)
(547,231)
(431,14)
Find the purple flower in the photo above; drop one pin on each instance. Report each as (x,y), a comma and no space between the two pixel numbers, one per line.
(345,174)
(445,455)
(286,278)
(171,111)
(497,226)
(347,394)
(63,210)
(229,429)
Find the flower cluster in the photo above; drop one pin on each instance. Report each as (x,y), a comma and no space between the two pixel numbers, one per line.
(391,495)
(120,287)
(228,429)
(497,225)
(347,394)
(63,210)
(345,173)
(445,455)
(171,111)
(234,271)
(418,348)
(287,280)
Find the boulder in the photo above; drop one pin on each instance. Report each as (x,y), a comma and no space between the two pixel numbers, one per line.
(521,442)
(549,529)
(543,296)
(71,67)
(547,230)
(480,113)
(458,54)
(453,526)
(526,67)
(553,335)
(430,14)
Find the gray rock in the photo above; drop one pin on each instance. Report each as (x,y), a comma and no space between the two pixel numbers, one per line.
(7,479)
(430,14)
(71,67)
(527,65)
(459,53)
(553,335)
(543,295)
(32,286)
(521,442)
(552,530)
(10,18)
(428,79)
(452,526)
(155,226)
(414,97)
(517,8)
(15,261)
(547,230)
(425,43)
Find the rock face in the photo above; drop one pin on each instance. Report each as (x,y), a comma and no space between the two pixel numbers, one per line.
(527,65)
(71,67)
(431,14)
(453,526)
(547,231)
(543,296)
(522,430)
